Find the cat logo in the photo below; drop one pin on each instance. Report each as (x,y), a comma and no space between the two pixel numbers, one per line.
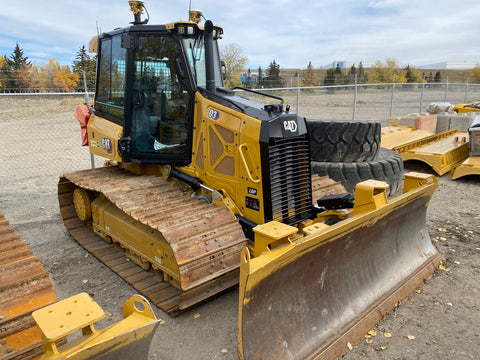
(290,125)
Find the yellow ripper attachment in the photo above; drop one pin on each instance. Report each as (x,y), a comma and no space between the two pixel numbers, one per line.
(309,298)
(441,151)
(128,339)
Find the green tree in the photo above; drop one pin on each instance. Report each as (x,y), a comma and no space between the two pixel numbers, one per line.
(235,63)
(329,78)
(16,71)
(334,76)
(248,80)
(438,77)
(260,78)
(308,75)
(412,75)
(362,76)
(273,75)
(351,74)
(84,63)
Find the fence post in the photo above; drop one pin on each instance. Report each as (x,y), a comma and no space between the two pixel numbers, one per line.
(298,93)
(421,97)
(393,92)
(354,98)
(466,92)
(446,90)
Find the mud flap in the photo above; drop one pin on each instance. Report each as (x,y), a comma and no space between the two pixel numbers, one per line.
(310,299)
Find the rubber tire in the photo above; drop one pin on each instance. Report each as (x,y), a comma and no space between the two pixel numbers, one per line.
(388,167)
(344,141)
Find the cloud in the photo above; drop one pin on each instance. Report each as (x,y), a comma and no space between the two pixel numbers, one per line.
(291,32)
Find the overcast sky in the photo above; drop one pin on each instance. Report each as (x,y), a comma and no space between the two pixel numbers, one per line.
(291,32)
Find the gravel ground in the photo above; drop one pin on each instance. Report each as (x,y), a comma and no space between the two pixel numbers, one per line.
(39,140)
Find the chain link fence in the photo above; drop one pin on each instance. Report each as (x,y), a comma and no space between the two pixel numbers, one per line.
(40,138)
(372,102)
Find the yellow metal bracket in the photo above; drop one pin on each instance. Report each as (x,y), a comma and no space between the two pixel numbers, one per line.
(369,195)
(271,235)
(65,317)
(414,180)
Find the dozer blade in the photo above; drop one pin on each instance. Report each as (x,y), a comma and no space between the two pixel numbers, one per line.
(308,299)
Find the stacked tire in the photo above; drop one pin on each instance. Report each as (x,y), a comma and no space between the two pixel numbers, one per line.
(350,152)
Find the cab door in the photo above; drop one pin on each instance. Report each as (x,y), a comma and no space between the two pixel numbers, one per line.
(158,125)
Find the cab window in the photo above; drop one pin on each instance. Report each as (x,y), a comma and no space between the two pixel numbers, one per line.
(160,102)
(110,95)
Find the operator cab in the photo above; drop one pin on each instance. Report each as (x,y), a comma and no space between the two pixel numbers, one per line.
(147,78)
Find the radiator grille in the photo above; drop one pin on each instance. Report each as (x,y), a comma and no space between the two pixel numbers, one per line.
(290,180)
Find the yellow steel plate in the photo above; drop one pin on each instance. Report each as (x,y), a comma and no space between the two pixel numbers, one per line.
(67,316)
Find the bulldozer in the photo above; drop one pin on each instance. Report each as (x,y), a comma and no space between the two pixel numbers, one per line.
(206,187)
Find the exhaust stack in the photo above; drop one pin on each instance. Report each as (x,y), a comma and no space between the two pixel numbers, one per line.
(209,61)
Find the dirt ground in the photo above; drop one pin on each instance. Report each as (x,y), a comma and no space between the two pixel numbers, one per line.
(40,139)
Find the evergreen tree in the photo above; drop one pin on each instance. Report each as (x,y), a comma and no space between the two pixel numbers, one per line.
(248,84)
(409,74)
(329,78)
(84,63)
(308,75)
(273,75)
(334,76)
(17,60)
(361,74)
(351,74)
(15,71)
(438,77)
(260,78)
(338,75)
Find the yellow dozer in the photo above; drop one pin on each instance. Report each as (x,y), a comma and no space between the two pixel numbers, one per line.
(205,187)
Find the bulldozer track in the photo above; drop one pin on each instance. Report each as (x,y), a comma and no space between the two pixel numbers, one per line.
(196,231)
(24,287)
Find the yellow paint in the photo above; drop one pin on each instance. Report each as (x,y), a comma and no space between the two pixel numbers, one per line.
(80,312)
(103,136)
(471,166)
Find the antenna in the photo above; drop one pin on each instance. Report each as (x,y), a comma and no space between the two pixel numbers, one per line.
(190,6)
